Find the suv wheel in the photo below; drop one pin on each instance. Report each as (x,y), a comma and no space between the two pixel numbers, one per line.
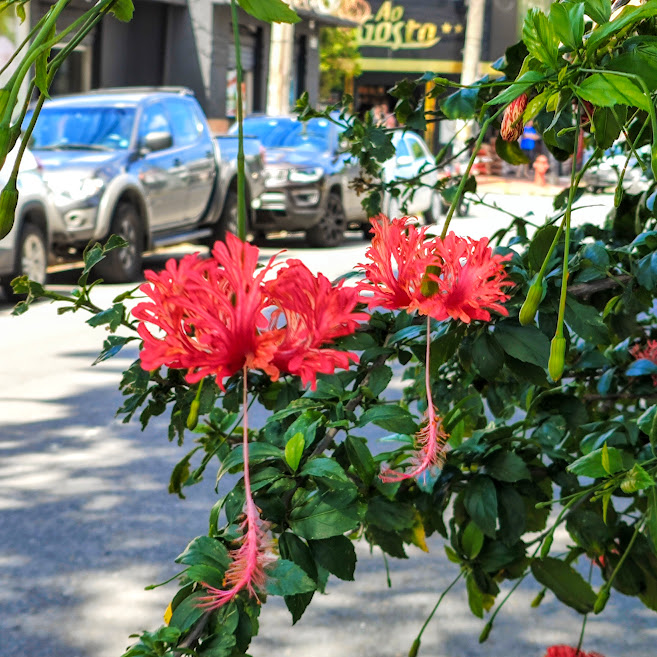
(330,229)
(124,265)
(227,220)
(31,259)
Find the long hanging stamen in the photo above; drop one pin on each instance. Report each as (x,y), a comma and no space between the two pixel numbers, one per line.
(249,560)
(431,439)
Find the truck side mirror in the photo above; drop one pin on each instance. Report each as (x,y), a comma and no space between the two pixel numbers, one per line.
(157,141)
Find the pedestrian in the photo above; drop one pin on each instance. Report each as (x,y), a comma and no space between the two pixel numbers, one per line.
(529,145)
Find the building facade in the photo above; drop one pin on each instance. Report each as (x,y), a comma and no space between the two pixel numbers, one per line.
(189,43)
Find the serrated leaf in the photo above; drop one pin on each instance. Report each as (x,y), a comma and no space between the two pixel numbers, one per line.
(540,38)
(123,10)
(461,104)
(565,582)
(507,466)
(608,89)
(598,10)
(568,22)
(325,515)
(590,465)
(526,343)
(361,459)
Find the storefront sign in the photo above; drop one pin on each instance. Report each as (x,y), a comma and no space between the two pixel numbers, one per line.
(391,28)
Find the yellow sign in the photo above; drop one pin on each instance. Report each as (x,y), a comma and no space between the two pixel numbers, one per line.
(388,29)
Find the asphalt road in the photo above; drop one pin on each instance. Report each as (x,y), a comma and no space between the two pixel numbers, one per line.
(86,521)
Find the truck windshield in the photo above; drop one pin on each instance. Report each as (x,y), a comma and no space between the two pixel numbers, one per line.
(92,128)
(285,132)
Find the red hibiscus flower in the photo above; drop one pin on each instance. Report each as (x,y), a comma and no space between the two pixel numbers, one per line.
(470,281)
(315,312)
(400,255)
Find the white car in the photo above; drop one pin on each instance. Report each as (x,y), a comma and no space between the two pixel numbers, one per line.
(412,159)
(26,248)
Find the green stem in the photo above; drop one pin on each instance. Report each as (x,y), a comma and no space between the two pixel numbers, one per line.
(475,149)
(418,638)
(621,561)
(25,41)
(586,616)
(241,197)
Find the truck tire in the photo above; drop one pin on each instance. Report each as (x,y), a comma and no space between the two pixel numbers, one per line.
(124,265)
(31,259)
(330,229)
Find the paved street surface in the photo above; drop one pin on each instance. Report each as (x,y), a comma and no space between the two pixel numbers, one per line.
(86,521)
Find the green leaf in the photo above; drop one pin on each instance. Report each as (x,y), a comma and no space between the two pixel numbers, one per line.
(123,10)
(112,316)
(390,417)
(293,549)
(188,612)
(568,22)
(481,503)
(598,10)
(606,128)
(641,367)
(512,513)
(269,11)
(591,465)
(294,450)
(540,245)
(651,520)
(391,516)
(205,550)
(286,578)
(475,596)
(472,540)
(640,60)
(626,18)
(586,321)
(461,104)
(379,379)
(325,515)
(526,343)
(525,82)
(608,89)
(565,582)
(258,452)
(41,65)
(220,644)
(510,152)
(507,466)
(323,467)
(337,555)
(540,38)
(636,479)
(111,346)
(361,459)
(487,356)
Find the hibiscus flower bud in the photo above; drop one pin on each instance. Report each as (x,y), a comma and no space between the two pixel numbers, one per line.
(538,599)
(601,600)
(557,357)
(192,418)
(485,632)
(512,125)
(8,203)
(530,306)
(547,544)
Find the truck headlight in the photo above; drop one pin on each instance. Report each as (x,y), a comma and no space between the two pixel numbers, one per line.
(309,175)
(74,189)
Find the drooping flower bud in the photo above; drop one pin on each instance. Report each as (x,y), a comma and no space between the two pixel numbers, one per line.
(557,357)
(538,599)
(192,418)
(601,600)
(512,125)
(8,203)
(530,306)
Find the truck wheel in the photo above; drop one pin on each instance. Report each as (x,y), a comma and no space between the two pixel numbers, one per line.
(432,214)
(330,229)
(31,259)
(124,265)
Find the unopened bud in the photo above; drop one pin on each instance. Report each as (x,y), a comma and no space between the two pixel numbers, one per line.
(485,632)
(538,599)
(512,126)
(547,544)
(557,357)
(192,418)
(8,203)
(601,600)
(414,648)
(530,306)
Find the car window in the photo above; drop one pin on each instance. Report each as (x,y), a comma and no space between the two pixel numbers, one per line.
(269,130)
(402,149)
(153,119)
(416,148)
(186,127)
(102,128)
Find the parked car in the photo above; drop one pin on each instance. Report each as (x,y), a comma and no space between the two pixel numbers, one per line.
(606,172)
(412,160)
(24,250)
(306,179)
(138,162)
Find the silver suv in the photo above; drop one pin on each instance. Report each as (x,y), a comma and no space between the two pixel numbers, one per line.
(25,249)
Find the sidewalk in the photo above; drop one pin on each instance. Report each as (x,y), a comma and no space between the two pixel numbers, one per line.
(487,184)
